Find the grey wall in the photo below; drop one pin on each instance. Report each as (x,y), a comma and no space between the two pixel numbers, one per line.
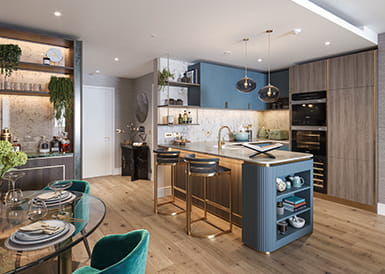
(144,85)
(381,119)
(124,104)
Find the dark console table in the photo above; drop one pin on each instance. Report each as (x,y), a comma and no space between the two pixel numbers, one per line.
(135,161)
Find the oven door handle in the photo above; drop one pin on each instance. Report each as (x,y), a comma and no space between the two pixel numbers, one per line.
(313,101)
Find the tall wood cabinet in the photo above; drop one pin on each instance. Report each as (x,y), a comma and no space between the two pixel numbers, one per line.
(351,127)
(350,82)
(308,77)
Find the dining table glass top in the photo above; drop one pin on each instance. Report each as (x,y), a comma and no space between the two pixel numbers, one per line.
(83,212)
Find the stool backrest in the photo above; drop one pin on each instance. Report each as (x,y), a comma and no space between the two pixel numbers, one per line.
(166,156)
(201,166)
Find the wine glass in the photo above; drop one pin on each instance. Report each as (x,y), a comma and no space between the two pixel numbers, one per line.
(58,187)
(37,209)
(12,177)
(13,197)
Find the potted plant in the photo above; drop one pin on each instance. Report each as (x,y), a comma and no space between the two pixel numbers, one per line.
(164,76)
(61,95)
(9,58)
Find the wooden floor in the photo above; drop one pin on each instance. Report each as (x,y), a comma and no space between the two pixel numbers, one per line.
(345,240)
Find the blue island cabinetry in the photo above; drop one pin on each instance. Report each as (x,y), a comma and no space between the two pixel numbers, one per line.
(259,202)
(217,88)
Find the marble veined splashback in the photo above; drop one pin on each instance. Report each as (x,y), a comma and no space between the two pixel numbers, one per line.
(209,122)
(28,118)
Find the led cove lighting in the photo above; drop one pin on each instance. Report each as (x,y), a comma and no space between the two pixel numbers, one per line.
(57,13)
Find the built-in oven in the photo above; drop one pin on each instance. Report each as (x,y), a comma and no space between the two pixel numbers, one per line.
(308,109)
(312,139)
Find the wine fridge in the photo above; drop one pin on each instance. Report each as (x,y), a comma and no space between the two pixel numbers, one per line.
(313,140)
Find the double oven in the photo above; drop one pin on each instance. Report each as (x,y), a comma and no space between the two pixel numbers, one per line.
(309,132)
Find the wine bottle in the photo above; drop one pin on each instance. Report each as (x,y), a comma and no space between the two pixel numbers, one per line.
(185,117)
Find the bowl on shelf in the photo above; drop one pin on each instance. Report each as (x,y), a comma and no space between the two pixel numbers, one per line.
(241,136)
(297,222)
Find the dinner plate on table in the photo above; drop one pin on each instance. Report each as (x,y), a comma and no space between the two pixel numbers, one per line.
(28,246)
(28,238)
(58,201)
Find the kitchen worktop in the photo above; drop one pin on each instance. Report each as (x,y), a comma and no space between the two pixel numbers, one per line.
(235,151)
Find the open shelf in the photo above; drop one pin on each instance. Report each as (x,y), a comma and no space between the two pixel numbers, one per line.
(291,191)
(177,106)
(182,84)
(289,214)
(171,125)
(291,230)
(45,68)
(24,92)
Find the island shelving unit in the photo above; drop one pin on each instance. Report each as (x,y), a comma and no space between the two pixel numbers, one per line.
(259,202)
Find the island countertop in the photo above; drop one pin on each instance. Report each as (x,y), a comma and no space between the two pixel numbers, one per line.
(236,151)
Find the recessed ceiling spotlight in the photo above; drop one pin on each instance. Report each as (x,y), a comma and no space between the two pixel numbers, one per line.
(97,71)
(57,13)
(259,60)
(116,59)
(297,31)
(327,43)
(227,52)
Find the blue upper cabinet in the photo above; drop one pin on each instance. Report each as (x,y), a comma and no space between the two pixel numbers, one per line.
(217,88)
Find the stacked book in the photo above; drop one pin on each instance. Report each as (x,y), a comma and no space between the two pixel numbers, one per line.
(294,203)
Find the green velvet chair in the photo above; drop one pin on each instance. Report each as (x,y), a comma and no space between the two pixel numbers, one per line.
(81,209)
(118,254)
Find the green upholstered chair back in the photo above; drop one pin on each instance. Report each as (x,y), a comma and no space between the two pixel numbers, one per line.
(77,185)
(124,253)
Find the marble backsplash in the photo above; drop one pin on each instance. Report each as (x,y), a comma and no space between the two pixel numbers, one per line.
(28,118)
(274,119)
(209,122)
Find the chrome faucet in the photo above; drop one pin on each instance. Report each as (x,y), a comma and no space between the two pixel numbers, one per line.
(220,142)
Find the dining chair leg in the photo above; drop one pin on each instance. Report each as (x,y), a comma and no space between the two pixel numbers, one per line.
(85,241)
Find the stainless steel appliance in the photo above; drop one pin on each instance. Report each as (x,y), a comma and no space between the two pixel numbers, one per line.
(309,132)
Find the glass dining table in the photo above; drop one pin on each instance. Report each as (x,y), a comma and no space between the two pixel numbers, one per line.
(83,214)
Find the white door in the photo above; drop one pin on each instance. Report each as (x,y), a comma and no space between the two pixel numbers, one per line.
(98,131)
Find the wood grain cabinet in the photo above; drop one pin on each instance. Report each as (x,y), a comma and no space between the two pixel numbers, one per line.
(308,77)
(354,70)
(351,128)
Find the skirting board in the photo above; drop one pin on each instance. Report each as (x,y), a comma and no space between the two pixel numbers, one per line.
(381,209)
(117,171)
(164,191)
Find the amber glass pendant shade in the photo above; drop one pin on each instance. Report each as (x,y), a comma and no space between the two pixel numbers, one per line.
(246,85)
(268,94)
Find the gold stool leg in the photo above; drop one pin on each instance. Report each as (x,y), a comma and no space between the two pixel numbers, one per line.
(205,197)
(230,204)
(188,205)
(156,187)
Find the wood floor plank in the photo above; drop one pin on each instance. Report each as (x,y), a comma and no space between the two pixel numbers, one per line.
(345,239)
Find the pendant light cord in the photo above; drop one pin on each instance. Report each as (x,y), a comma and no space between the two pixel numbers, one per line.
(268,54)
(246,39)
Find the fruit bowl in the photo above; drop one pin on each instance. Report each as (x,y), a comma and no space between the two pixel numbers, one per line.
(297,222)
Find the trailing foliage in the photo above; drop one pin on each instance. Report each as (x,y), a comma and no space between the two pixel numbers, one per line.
(61,95)
(9,58)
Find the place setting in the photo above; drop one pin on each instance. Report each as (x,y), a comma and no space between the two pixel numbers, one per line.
(39,234)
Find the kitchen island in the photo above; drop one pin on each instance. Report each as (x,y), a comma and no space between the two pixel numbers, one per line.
(254,192)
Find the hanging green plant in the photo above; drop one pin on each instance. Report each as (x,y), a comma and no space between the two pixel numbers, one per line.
(9,58)
(61,95)
(164,75)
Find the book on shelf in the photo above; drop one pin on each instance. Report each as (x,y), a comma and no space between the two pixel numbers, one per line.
(294,209)
(294,206)
(294,200)
(263,147)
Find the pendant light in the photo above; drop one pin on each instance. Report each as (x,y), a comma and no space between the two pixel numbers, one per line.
(246,84)
(269,93)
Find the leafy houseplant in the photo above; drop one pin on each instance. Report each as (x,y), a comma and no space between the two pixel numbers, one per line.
(9,58)
(164,75)
(61,95)
(10,158)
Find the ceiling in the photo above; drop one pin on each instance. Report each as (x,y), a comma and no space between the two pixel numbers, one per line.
(138,31)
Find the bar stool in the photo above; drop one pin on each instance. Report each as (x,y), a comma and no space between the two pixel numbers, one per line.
(205,167)
(165,157)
